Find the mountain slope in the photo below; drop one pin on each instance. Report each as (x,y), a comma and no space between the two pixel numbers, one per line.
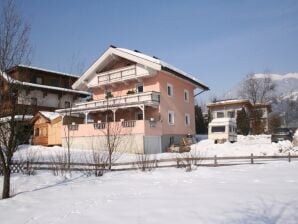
(286,85)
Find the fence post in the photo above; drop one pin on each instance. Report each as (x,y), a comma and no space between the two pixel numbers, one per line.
(251,158)
(289,157)
(215,160)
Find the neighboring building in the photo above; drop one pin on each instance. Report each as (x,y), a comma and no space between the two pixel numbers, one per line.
(149,101)
(47,128)
(41,89)
(229,109)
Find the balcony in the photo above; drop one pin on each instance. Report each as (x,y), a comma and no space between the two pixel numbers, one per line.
(119,75)
(148,98)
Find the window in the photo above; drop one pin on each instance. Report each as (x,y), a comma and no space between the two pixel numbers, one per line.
(36,132)
(218,129)
(220,114)
(67,104)
(171,117)
(187,119)
(170,89)
(38,80)
(231,114)
(140,88)
(54,82)
(34,101)
(186,95)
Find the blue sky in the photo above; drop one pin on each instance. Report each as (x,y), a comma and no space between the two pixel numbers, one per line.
(219,42)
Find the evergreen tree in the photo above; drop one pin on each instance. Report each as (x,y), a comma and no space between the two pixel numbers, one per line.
(201,127)
(242,122)
(257,125)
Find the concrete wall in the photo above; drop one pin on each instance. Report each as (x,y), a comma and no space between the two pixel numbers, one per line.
(127,143)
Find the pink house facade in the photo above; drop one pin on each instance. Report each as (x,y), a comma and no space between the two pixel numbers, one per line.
(145,101)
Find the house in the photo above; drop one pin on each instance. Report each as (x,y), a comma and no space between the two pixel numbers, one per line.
(47,128)
(149,103)
(42,89)
(229,109)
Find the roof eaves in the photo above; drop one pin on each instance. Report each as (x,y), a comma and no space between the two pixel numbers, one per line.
(194,81)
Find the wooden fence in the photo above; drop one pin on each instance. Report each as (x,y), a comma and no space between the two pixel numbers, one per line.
(145,163)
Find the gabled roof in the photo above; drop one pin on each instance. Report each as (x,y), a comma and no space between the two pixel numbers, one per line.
(49,116)
(137,57)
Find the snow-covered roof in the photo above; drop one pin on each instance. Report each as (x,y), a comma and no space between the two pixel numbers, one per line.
(9,79)
(47,70)
(231,101)
(138,57)
(164,65)
(17,118)
(49,115)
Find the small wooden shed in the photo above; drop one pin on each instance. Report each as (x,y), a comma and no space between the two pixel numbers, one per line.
(47,128)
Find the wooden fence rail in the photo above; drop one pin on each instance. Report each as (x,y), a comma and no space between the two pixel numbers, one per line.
(23,166)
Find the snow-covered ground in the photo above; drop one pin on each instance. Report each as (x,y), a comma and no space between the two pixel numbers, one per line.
(258,145)
(264,193)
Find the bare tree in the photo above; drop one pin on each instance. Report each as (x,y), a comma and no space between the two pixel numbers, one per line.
(68,128)
(257,90)
(14,49)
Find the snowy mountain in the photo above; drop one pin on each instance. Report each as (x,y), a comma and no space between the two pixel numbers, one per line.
(286,86)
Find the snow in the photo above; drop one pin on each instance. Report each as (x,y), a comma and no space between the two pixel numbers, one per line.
(17,118)
(50,115)
(277,77)
(264,193)
(5,76)
(230,101)
(48,70)
(258,145)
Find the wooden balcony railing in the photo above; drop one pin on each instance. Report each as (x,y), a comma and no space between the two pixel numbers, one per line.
(147,97)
